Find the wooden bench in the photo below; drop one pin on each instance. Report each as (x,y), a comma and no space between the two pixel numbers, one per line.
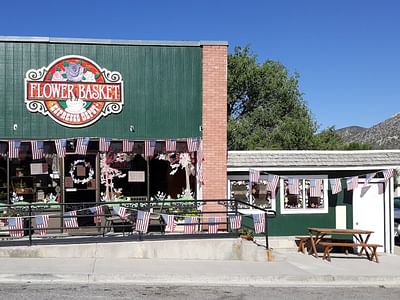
(303,240)
(328,246)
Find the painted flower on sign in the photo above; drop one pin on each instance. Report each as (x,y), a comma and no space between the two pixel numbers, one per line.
(89,77)
(58,76)
(74,72)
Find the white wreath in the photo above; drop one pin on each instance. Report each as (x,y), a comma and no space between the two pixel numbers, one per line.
(73,168)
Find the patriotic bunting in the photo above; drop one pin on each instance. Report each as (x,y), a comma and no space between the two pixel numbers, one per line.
(121,212)
(254,175)
(336,185)
(190,225)
(352,183)
(16,226)
(368,178)
(235,221)
(42,223)
(98,212)
(142,221)
(315,188)
(104,144)
(70,220)
(213,224)
(387,174)
(192,144)
(259,223)
(127,145)
(170,221)
(13,148)
(149,147)
(272,183)
(61,147)
(37,149)
(81,145)
(293,185)
(170,145)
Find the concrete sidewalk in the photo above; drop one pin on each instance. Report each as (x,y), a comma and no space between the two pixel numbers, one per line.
(287,268)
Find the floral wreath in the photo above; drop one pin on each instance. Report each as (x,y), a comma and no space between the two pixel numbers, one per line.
(73,168)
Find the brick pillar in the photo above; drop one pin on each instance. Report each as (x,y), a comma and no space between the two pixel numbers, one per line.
(215,64)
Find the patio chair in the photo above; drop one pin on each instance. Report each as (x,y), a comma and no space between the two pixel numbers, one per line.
(116,223)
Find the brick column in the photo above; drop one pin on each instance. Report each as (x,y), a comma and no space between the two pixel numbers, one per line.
(215,63)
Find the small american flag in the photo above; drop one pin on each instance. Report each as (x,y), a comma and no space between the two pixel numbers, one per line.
(104,144)
(127,145)
(190,225)
(61,147)
(272,183)
(16,226)
(170,221)
(336,185)
(368,178)
(315,187)
(259,223)
(37,149)
(254,175)
(387,174)
(213,224)
(170,145)
(293,185)
(98,213)
(192,144)
(121,212)
(149,147)
(13,148)
(142,221)
(352,183)
(81,145)
(70,220)
(235,221)
(42,223)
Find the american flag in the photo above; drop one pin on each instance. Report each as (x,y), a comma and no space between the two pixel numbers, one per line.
(121,212)
(387,174)
(98,212)
(293,185)
(254,175)
(190,225)
(213,224)
(235,221)
(61,147)
(170,221)
(170,145)
(104,144)
(81,145)
(259,222)
(272,182)
(42,223)
(336,185)
(149,147)
(192,144)
(127,145)
(70,220)
(13,148)
(142,221)
(37,149)
(315,187)
(368,178)
(352,183)
(381,188)
(16,226)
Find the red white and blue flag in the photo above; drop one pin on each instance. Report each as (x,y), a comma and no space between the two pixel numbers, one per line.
(37,149)
(42,223)
(213,224)
(272,183)
(127,145)
(81,145)
(352,183)
(149,147)
(142,221)
(235,221)
(368,178)
(259,222)
(104,144)
(98,212)
(293,185)
(13,148)
(121,212)
(70,220)
(170,221)
(61,147)
(170,145)
(192,144)
(16,226)
(315,187)
(190,225)
(254,175)
(336,185)
(387,174)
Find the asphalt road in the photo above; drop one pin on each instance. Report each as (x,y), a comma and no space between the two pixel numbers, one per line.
(112,291)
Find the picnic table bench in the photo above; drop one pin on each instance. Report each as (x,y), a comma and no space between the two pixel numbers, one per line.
(328,246)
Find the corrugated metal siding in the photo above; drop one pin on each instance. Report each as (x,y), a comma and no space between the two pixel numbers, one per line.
(162,90)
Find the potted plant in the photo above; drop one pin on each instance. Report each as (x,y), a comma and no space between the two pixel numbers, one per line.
(246,234)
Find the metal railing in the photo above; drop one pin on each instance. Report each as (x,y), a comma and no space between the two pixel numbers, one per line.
(114,228)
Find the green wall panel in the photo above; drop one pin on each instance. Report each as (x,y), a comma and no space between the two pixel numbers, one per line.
(162,90)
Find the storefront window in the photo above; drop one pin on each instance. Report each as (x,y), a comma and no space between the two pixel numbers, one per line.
(258,196)
(3,180)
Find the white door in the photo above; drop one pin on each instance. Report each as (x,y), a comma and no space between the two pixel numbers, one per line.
(368,212)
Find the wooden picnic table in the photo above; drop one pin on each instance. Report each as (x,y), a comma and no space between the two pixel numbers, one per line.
(360,239)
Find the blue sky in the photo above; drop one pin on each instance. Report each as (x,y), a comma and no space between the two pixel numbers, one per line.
(347,52)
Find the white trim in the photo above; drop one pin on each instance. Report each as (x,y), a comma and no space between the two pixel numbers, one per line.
(316,168)
(313,151)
